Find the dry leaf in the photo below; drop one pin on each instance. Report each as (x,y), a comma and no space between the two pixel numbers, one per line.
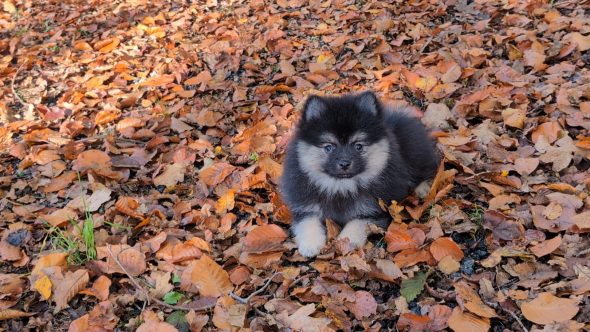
(210,278)
(548,309)
(66,289)
(264,238)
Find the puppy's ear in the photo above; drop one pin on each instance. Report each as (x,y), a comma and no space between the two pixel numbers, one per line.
(314,107)
(368,102)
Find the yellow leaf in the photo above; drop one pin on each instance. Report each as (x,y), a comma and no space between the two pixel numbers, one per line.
(9,7)
(43,286)
(226,202)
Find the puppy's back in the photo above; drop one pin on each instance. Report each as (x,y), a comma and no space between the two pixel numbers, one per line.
(416,146)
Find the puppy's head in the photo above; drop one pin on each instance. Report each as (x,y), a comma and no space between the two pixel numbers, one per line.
(342,140)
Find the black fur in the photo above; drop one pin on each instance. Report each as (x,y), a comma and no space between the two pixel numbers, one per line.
(412,158)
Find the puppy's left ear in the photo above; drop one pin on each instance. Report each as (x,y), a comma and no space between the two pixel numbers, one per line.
(314,107)
(368,102)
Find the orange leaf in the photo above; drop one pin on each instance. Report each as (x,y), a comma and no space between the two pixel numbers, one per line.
(548,309)
(157,81)
(107,45)
(411,322)
(128,206)
(54,259)
(465,322)
(60,182)
(100,288)
(546,247)
(13,314)
(216,173)
(445,246)
(264,238)
(225,202)
(202,77)
(410,257)
(399,239)
(210,278)
(548,129)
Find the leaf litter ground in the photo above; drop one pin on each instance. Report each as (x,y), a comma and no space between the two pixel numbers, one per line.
(141,144)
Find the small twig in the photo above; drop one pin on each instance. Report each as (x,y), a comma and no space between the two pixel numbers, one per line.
(498,306)
(16,95)
(260,290)
(147,294)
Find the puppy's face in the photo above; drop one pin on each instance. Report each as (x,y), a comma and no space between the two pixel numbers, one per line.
(342,141)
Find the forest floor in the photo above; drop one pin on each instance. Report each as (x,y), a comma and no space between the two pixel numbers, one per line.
(141,143)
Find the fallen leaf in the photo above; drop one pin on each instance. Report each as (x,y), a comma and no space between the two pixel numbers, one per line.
(443,247)
(66,289)
(172,175)
(461,321)
(264,238)
(363,306)
(548,309)
(210,278)
(546,247)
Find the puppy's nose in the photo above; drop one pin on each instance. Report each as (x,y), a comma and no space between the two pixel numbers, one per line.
(344,164)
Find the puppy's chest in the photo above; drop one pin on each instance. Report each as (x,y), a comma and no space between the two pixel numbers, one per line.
(344,209)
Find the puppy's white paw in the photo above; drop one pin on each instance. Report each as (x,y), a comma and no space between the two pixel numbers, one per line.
(356,232)
(310,236)
(423,189)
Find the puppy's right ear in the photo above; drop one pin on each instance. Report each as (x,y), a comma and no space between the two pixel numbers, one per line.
(314,107)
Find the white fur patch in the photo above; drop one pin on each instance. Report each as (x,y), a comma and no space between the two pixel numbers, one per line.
(423,189)
(356,231)
(376,156)
(310,236)
(312,158)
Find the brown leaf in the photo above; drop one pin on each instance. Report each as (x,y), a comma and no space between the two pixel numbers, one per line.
(128,206)
(210,278)
(11,288)
(547,309)
(548,129)
(471,300)
(461,321)
(412,322)
(66,289)
(99,289)
(363,306)
(526,166)
(546,247)
(215,173)
(264,238)
(301,320)
(53,259)
(13,314)
(172,175)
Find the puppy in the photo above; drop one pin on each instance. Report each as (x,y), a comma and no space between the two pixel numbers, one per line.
(347,153)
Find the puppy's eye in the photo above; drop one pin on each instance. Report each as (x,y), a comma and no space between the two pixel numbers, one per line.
(329,148)
(358,147)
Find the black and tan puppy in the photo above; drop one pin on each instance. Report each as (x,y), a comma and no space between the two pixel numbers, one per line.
(347,153)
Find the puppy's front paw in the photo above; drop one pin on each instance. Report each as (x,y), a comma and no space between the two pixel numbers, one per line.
(311,247)
(356,232)
(310,236)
